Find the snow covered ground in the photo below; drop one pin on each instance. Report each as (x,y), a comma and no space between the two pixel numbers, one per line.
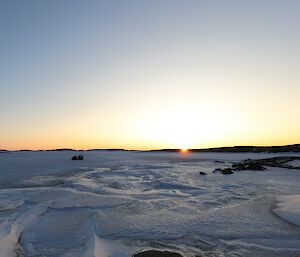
(119,203)
(288,207)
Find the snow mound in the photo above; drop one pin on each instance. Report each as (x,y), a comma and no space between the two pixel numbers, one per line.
(288,208)
(295,163)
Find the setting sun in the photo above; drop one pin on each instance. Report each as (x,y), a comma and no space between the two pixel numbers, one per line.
(184,150)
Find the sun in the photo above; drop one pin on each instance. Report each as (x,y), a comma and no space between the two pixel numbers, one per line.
(184,150)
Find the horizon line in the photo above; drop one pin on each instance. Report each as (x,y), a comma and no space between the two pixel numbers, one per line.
(148,150)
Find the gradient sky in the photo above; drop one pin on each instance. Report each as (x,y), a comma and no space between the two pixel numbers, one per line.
(149,74)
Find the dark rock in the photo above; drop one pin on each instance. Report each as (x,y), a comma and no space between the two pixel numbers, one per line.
(255,166)
(217,161)
(74,158)
(227,171)
(202,173)
(248,165)
(155,253)
(80,157)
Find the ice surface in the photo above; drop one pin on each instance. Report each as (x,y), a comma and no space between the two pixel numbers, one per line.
(119,203)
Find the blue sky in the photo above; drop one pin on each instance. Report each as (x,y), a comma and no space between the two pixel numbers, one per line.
(149,74)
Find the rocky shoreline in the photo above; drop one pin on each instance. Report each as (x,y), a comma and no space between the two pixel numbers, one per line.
(261,164)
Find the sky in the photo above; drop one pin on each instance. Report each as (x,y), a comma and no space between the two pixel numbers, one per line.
(140,74)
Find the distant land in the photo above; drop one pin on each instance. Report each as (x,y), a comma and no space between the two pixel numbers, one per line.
(228,149)
(241,149)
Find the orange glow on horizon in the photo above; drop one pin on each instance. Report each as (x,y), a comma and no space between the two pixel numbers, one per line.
(184,150)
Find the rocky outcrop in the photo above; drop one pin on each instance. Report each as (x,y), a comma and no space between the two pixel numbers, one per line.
(155,253)
(79,157)
(261,164)
(227,171)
